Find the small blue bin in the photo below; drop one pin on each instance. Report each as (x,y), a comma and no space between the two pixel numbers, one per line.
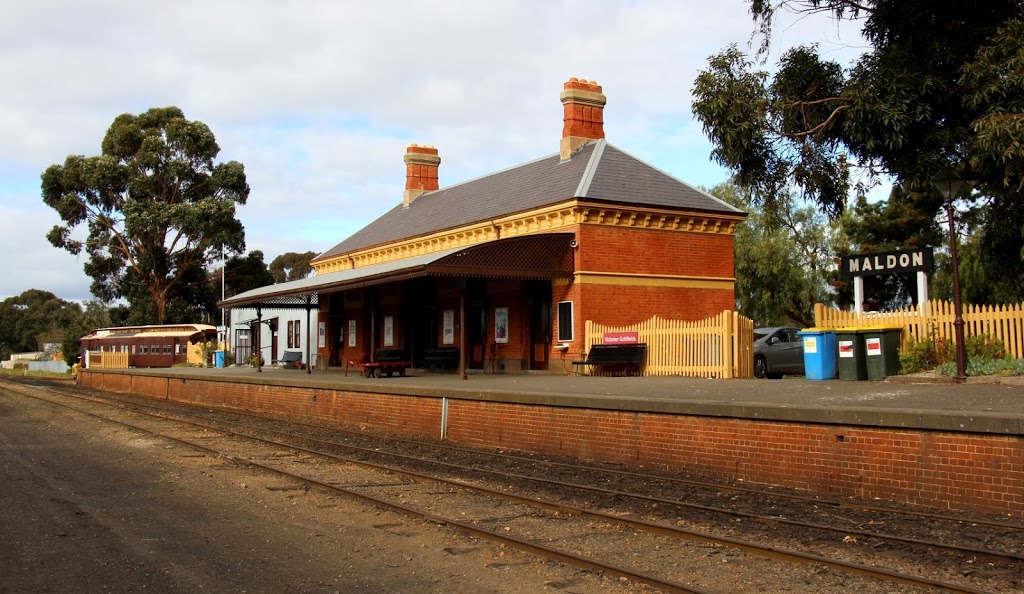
(218,359)
(819,353)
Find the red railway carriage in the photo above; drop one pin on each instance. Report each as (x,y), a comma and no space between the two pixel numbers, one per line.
(151,346)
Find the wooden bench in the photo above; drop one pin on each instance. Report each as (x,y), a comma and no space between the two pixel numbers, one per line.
(291,360)
(624,359)
(440,359)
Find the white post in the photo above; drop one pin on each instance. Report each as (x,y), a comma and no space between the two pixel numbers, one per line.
(858,295)
(922,291)
(223,270)
(922,304)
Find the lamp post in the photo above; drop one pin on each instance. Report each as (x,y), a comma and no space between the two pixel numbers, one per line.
(949,182)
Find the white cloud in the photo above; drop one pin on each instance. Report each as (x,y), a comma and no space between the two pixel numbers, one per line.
(318,98)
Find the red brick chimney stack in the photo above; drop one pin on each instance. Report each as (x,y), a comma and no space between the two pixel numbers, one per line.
(421,163)
(584,115)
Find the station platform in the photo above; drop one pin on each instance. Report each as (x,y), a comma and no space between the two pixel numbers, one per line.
(917,440)
(982,405)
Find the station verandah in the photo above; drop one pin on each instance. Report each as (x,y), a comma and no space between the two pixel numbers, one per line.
(496,298)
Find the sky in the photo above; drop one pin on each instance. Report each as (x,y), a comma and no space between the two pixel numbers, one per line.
(319,99)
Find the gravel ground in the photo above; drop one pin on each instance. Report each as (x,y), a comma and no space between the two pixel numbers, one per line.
(89,507)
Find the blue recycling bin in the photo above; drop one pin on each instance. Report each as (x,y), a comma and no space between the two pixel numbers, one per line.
(819,353)
(218,359)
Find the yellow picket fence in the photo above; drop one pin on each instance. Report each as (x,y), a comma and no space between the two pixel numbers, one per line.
(721,346)
(934,319)
(108,360)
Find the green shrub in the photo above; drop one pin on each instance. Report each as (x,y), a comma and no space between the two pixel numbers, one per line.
(985,347)
(976,367)
(986,355)
(925,354)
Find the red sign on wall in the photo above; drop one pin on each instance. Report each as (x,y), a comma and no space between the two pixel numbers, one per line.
(621,338)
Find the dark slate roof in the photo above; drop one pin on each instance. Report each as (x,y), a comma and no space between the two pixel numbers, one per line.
(598,171)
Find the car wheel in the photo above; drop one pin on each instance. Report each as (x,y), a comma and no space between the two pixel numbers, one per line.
(760,367)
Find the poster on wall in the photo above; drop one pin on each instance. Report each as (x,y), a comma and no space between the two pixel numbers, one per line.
(501,324)
(389,331)
(352,333)
(448,336)
(321,334)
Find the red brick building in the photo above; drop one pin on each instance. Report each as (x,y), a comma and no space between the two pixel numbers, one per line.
(503,270)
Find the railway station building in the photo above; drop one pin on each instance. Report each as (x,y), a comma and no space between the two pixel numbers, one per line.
(499,273)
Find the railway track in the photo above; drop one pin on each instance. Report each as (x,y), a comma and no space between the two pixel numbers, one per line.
(583,521)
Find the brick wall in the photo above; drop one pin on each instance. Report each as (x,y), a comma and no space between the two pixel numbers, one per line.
(935,469)
(620,305)
(509,294)
(926,468)
(652,251)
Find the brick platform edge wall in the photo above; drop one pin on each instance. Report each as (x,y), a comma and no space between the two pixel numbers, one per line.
(936,469)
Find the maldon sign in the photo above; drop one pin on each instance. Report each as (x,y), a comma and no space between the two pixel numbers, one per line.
(888,262)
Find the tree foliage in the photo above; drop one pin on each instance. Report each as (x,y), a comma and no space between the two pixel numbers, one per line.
(941,85)
(154,205)
(782,260)
(34,318)
(94,315)
(291,266)
(246,274)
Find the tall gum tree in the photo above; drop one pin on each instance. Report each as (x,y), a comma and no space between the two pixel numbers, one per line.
(939,85)
(153,203)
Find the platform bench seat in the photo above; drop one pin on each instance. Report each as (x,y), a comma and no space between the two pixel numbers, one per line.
(442,358)
(291,360)
(391,355)
(619,359)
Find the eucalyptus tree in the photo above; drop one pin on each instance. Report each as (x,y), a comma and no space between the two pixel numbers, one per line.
(154,206)
(291,266)
(941,84)
(784,259)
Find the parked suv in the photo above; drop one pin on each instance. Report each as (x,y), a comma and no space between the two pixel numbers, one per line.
(778,351)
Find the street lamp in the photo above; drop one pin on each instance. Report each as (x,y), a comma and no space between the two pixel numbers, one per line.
(949,182)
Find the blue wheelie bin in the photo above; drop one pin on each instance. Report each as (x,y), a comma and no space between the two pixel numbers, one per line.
(819,353)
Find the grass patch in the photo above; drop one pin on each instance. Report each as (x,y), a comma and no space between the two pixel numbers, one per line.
(22,371)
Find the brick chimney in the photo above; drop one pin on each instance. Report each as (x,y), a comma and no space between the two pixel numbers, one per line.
(584,115)
(421,164)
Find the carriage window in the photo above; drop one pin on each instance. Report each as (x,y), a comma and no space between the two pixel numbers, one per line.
(133,349)
(155,349)
(167,349)
(565,321)
(143,349)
